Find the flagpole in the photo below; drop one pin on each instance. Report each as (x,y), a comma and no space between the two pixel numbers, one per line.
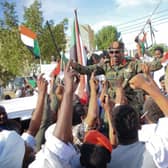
(40,63)
(53,39)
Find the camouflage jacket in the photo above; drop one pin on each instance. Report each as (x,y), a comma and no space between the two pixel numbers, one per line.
(112,73)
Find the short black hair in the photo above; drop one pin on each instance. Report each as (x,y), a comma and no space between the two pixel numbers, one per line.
(136,39)
(94,156)
(160,49)
(78,112)
(126,122)
(2,109)
(7,97)
(161,78)
(153,110)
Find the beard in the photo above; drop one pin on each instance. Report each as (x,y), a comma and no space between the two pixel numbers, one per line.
(115,61)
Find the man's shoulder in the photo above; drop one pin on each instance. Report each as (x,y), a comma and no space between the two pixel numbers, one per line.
(138,151)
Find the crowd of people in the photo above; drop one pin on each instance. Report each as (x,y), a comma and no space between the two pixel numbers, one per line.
(122,125)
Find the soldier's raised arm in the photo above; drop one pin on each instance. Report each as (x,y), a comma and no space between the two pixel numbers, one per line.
(87,69)
(154,65)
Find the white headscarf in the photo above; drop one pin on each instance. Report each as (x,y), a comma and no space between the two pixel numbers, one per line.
(12,149)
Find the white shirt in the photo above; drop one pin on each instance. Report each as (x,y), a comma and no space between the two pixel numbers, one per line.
(12,149)
(54,154)
(157,74)
(156,141)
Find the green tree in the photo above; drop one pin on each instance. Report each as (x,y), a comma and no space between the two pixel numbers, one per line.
(16,59)
(33,17)
(13,54)
(47,45)
(10,19)
(105,37)
(164,46)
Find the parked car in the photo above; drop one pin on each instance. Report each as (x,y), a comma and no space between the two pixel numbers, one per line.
(20,82)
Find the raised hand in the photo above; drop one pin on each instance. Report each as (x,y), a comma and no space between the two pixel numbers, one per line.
(94,83)
(71,78)
(105,85)
(42,84)
(145,68)
(138,81)
(107,103)
(120,93)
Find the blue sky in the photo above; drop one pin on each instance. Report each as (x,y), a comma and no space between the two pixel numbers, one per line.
(98,13)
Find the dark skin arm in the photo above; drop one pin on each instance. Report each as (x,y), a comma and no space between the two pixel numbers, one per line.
(37,114)
(97,68)
(93,107)
(108,106)
(140,81)
(63,129)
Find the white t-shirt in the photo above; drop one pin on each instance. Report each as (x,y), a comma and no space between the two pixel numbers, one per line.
(54,153)
(12,149)
(131,156)
(157,74)
(156,141)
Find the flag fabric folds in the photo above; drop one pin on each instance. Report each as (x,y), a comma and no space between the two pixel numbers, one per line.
(78,54)
(29,38)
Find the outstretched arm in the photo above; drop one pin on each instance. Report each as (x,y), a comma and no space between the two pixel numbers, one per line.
(63,129)
(140,81)
(93,105)
(108,106)
(87,69)
(37,114)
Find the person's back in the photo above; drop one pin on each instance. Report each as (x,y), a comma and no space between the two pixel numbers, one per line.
(131,156)
(130,153)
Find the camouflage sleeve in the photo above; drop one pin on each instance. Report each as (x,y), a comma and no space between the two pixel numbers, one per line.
(154,65)
(166,78)
(89,69)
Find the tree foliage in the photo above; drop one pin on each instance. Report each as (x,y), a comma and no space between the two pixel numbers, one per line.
(10,17)
(12,52)
(105,37)
(15,57)
(47,45)
(164,46)
(33,17)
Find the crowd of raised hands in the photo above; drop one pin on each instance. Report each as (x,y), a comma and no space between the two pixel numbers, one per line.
(105,128)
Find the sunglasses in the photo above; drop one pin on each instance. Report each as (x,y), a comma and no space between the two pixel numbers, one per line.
(114,51)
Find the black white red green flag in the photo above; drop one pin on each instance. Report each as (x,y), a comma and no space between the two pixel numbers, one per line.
(78,54)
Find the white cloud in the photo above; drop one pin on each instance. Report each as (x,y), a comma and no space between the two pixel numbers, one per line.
(160,36)
(27,3)
(54,9)
(132,3)
(96,27)
(53,6)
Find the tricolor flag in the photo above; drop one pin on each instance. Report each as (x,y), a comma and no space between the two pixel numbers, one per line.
(29,38)
(78,54)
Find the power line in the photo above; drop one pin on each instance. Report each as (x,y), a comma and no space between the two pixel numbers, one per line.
(141,18)
(148,22)
(136,30)
(139,24)
(153,23)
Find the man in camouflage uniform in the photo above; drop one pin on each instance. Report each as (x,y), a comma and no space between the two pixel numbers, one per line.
(117,68)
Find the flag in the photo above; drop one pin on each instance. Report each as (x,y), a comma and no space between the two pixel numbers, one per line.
(56,70)
(29,38)
(78,54)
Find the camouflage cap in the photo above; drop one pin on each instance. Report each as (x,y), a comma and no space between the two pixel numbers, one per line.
(117,45)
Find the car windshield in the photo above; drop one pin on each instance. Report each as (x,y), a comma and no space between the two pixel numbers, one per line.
(19,82)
